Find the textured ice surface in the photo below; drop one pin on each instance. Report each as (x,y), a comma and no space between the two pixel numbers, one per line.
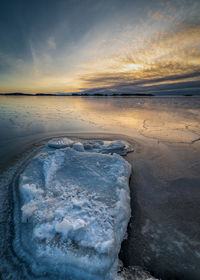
(74,207)
(134,273)
(62,142)
(99,146)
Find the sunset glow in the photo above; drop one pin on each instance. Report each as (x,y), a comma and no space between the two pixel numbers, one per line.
(117,45)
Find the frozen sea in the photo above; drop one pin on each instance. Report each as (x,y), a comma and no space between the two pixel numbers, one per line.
(164,232)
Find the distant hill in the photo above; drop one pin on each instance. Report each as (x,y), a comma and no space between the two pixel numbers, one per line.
(17,93)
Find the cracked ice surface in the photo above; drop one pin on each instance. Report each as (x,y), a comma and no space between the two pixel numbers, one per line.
(74,207)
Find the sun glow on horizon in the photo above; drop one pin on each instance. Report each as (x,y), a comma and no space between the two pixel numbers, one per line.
(162,42)
(132,66)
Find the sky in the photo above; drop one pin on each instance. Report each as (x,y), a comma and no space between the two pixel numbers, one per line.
(141,46)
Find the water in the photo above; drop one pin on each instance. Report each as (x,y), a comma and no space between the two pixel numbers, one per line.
(164,233)
(23,119)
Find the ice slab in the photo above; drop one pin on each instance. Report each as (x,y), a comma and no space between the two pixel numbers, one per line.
(73,210)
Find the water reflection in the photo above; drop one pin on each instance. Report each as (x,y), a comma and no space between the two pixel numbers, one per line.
(164,234)
(22,118)
(170,119)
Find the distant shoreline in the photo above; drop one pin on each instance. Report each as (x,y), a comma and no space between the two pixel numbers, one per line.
(75,94)
(95,94)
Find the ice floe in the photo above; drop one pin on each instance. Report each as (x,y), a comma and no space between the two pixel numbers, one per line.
(73,208)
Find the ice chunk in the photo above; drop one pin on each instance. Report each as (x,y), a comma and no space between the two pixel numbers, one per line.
(74,208)
(108,147)
(78,147)
(120,147)
(60,142)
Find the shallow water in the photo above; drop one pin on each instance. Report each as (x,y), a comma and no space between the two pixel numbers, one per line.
(164,232)
(23,119)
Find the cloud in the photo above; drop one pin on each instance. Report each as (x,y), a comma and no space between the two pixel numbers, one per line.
(169,56)
(101,45)
(51,43)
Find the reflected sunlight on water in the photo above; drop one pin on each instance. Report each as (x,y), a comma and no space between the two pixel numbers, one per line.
(165,185)
(159,118)
(23,119)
